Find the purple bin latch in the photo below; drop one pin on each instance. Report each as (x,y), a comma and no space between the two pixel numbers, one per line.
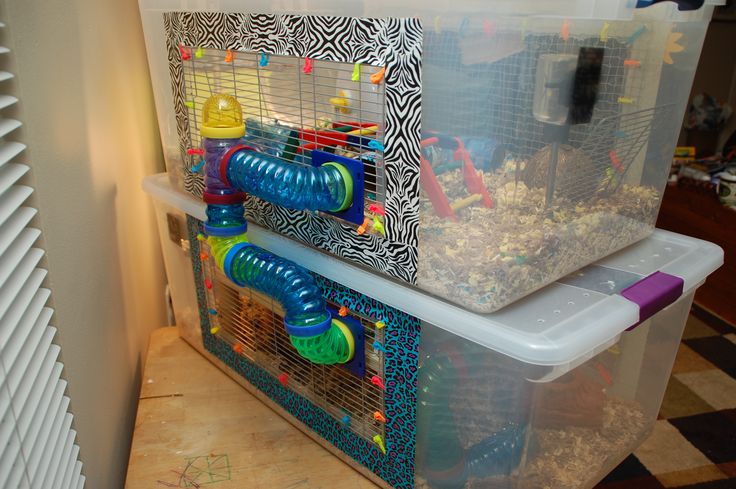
(653,293)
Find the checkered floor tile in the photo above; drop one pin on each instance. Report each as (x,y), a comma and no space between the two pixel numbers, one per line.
(693,444)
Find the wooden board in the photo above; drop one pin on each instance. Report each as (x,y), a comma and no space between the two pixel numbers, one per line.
(196,427)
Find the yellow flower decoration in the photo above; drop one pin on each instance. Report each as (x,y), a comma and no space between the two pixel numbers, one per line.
(672,47)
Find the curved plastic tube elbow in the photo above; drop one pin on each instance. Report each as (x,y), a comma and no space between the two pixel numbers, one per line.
(291,185)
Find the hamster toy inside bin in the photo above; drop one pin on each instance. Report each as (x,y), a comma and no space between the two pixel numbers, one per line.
(493,147)
(553,390)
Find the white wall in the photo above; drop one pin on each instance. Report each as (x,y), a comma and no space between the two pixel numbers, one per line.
(90,127)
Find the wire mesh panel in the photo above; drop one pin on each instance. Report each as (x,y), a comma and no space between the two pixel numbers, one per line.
(255,323)
(288,103)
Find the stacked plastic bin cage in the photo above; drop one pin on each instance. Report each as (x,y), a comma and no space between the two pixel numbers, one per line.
(469,156)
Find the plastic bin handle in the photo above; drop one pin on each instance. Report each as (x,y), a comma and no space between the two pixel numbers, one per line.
(683,5)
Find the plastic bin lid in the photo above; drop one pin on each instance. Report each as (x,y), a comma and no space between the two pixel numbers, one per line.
(558,325)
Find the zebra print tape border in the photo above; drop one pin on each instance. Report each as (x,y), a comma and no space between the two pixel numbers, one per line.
(393,43)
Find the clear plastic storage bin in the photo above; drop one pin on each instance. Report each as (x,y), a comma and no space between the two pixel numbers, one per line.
(553,391)
(500,145)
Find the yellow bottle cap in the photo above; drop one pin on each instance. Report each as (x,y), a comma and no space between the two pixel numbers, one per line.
(222,117)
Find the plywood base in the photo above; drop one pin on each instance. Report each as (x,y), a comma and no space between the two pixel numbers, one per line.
(195,427)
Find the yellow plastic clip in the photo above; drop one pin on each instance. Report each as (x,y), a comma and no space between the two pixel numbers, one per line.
(356,73)
(200,237)
(379,442)
(377,77)
(603,36)
(378,225)
(565,30)
(625,100)
(199,52)
(524,24)
(672,47)
(189,104)
(380,324)
(214,329)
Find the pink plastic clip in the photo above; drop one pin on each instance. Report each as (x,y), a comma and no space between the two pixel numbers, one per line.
(186,53)
(488,28)
(195,151)
(615,161)
(284,379)
(377,209)
(376,380)
(565,30)
(308,66)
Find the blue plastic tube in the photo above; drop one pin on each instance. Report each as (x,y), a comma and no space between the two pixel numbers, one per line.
(291,185)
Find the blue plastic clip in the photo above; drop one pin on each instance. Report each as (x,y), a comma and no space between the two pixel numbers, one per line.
(263,62)
(213,312)
(464,24)
(621,134)
(376,145)
(636,35)
(378,346)
(198,166)
(346,420)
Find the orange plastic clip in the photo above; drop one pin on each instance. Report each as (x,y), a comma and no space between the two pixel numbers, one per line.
(377,77)
(229,56)
(238,348)
(379,417)
(203,256)
(363,227)
(632,63)
(343,311)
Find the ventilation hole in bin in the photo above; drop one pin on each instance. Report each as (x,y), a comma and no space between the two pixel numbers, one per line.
(642,260)
(557,311)
(656,255)
(570,303)
(540,320)
(586,294)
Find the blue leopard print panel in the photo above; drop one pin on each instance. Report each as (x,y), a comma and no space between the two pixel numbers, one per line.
(401,341)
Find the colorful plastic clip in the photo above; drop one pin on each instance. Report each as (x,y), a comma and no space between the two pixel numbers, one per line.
(488,28)
(189,104)
(437,24)
(625,100)
(464,24)
(379,417)
(379,442)
(565,30)
(615,160)
(672,47)
(356,73)
(284,379)
(229,56)
(363,227)
(201,237)
(378,346)
(380,324)
(636,34)
(376,380)
(195,151)
(377,145)
(208,283)
(604,374)
(621,134)
(343,311)
(199,52)
(377,77)
(238,348)
(377,209)
(204,256)
(198,166)
(378,225)
(346,420)
(308,66)
(603,36)
(524,24)
(263,62)
(212,312)
(632,63)
(186,53)
(214,329)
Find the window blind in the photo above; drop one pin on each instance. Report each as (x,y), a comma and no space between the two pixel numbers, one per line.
(37,440)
